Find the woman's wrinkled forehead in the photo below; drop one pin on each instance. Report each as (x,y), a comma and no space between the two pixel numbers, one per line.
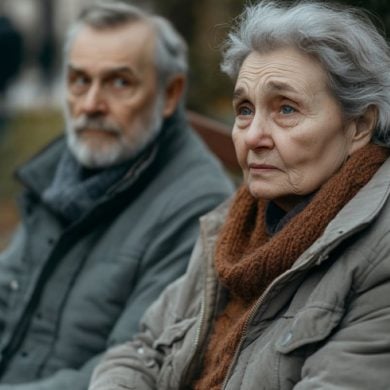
(284,70)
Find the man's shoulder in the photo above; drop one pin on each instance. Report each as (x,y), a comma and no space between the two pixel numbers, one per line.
(39,169)
(194,169)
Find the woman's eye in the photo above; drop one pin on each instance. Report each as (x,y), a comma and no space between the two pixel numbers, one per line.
(244,110)
(286,109)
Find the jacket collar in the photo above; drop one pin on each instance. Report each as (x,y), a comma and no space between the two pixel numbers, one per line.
(358,213)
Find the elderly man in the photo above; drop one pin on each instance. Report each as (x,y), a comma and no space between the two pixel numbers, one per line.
(110,214)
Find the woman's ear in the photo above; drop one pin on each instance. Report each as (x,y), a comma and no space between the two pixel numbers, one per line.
(173,94)
(363,128)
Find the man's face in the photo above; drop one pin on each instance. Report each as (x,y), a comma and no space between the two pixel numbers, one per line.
(113,107)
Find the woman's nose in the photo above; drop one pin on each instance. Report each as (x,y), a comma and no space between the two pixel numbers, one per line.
(259,134)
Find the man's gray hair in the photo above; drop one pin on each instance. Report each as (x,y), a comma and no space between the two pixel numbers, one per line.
(171,49)
(345,41)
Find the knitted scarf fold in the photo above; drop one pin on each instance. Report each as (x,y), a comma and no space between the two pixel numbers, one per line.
(247,260)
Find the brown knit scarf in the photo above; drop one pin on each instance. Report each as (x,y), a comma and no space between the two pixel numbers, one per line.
(248,260)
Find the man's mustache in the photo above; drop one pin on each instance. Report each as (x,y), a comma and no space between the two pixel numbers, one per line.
(99,124)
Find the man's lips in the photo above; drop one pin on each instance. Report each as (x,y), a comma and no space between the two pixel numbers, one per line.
(95,130)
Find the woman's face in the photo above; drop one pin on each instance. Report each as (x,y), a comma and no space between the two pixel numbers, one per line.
(289,132)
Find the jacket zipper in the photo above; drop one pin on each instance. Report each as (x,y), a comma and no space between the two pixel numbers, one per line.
(254,310)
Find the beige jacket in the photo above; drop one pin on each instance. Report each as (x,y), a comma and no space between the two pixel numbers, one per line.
(323,324)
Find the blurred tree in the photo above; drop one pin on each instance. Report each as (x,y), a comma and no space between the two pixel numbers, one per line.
(47,49)
(11,46)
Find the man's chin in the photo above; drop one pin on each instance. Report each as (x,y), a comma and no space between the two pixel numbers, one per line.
(91,155)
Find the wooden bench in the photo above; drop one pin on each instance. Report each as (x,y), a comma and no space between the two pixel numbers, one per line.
(218,138)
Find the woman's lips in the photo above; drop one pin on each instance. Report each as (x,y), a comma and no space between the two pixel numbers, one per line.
(261,167)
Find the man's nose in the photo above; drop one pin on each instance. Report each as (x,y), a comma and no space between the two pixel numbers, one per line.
(94,100)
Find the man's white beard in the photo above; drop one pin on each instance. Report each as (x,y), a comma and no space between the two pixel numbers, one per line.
(123,146)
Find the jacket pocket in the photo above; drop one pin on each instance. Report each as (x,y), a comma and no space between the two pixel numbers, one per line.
(173,334)
(311,325)
(172,344)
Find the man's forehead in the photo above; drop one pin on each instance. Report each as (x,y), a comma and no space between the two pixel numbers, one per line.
(131,46)
(136,37)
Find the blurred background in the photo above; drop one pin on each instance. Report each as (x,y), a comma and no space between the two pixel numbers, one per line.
(31,35)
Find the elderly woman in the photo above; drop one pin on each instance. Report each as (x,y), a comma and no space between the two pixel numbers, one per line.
(289,284)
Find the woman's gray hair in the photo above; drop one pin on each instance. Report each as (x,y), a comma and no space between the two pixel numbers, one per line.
(354,54)
(171,49)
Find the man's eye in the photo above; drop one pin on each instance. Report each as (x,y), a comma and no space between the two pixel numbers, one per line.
(120,82)
(80,80)
(286,109)
(78,83)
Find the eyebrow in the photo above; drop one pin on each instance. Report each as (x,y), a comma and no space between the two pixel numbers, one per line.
(271,86)
(238,93)
(280,86)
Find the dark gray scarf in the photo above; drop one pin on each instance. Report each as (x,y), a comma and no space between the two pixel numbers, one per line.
(75,189)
